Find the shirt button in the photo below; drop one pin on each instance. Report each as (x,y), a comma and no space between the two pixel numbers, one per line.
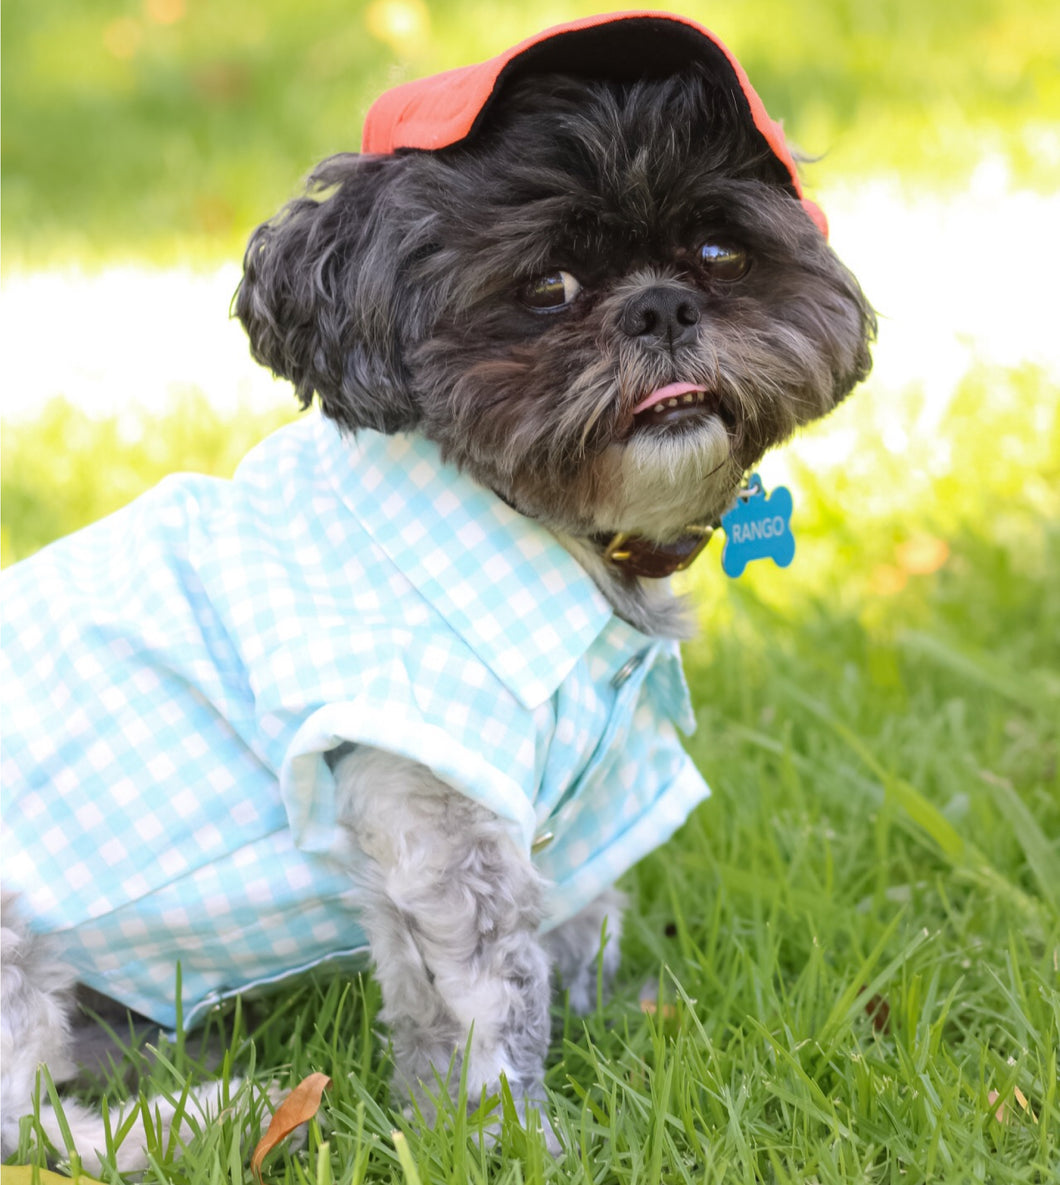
(626,669)
(541,842)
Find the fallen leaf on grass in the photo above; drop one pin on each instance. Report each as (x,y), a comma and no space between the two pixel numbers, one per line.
(299,1107)
(878,1011)
(651,1008)
(1000,1114)
(650,1004)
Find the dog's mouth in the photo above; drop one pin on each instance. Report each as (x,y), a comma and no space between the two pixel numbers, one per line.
(677,405)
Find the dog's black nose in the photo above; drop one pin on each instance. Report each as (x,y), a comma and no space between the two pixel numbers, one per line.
(661,312)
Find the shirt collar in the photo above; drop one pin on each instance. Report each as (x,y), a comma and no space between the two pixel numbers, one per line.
(518,599)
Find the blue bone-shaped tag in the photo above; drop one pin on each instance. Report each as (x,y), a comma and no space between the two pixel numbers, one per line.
(758,527)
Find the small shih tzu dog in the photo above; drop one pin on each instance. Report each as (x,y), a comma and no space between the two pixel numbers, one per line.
(408,685)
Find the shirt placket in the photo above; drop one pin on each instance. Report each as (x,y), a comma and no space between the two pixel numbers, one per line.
(623,687)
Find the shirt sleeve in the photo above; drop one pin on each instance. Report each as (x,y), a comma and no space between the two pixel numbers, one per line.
(472,736)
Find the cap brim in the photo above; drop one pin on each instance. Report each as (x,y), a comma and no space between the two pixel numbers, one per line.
(435,112)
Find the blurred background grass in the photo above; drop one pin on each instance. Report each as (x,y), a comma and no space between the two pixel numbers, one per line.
(155,128)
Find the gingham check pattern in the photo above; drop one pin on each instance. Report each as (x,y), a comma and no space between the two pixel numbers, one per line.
(174,675)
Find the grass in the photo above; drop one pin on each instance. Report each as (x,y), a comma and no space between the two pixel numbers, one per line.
(167,128)
(65,468)
(845,966)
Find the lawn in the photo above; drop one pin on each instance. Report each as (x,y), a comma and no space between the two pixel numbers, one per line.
(846,966)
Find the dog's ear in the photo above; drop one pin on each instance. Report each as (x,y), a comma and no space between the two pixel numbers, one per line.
(320,296)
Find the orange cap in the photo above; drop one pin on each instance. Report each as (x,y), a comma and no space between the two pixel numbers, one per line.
(443,109)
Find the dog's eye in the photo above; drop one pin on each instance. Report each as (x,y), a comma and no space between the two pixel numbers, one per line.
(724,261)
(553,291)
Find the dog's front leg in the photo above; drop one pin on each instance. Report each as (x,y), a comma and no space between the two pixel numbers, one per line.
(452,910)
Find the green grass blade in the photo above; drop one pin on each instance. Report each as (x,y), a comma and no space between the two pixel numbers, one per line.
(404,1155)
(1042,855)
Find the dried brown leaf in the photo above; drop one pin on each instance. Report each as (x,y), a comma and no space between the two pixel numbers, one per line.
(299,1107)
(651,1008)
(878,1011)
(1001,1115)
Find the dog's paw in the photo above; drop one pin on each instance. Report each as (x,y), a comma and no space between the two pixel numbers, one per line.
(532,1117)
(584,951)
(590,985)
(486,1112)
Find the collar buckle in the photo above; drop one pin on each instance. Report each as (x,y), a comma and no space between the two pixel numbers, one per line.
(637,556)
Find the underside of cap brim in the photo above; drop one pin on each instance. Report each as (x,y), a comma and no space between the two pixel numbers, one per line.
(444,109)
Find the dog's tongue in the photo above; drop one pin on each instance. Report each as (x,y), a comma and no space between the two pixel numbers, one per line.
(670,391)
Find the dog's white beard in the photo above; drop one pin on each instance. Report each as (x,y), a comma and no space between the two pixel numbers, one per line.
(656,485)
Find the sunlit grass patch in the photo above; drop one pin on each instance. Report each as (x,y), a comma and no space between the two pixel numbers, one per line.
(66,468)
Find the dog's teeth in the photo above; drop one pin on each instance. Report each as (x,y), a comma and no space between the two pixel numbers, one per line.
(685,399)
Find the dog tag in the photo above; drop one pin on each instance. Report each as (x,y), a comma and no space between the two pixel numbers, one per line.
(758,527)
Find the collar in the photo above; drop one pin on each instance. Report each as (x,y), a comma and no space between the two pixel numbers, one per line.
(518,598)
(633,555)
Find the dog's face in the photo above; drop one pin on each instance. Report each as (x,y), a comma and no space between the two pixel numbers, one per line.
(605,305)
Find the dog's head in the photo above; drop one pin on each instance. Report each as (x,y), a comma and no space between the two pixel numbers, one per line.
(605,300)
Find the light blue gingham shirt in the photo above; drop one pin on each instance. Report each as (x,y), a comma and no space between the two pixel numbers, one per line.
(174,675)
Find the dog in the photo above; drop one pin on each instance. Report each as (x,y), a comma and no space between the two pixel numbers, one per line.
(410,683)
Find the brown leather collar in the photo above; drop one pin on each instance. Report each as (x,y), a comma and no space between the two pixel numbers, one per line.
(633,555)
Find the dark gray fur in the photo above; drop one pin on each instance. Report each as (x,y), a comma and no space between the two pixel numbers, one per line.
(390,291)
